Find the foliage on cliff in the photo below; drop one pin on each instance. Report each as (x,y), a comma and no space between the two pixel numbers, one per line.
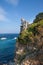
(36,28)
(38,17)
(32,41)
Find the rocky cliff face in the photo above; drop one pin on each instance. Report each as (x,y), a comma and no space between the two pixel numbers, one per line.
(26,55)
(30,45)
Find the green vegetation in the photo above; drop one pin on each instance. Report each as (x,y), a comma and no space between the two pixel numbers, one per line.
(31,40)
(38,17)
(28,35)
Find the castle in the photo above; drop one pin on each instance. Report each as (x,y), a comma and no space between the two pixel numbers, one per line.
(24,25)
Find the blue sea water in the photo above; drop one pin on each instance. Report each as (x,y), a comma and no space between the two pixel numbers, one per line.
(7,47)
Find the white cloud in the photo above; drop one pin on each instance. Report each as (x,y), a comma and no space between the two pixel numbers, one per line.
(3,14)
(14,2)
(2,11)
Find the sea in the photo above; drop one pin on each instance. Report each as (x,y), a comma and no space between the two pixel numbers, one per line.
(7,47)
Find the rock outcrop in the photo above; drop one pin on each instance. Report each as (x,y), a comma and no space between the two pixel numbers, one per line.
(30,45)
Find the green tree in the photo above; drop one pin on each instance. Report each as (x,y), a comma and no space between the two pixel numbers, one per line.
(38,17)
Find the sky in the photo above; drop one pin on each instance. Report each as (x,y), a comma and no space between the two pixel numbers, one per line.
(11,12)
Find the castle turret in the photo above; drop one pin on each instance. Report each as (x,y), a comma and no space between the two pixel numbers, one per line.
(24,25)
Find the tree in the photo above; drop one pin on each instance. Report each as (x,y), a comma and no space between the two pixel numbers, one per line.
(38,17)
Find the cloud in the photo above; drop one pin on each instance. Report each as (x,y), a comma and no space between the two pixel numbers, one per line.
(3,14)
(13,2)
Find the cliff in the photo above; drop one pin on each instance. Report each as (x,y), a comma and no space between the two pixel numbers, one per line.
(30,44)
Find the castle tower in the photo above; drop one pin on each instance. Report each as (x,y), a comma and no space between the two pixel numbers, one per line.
(24,25)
